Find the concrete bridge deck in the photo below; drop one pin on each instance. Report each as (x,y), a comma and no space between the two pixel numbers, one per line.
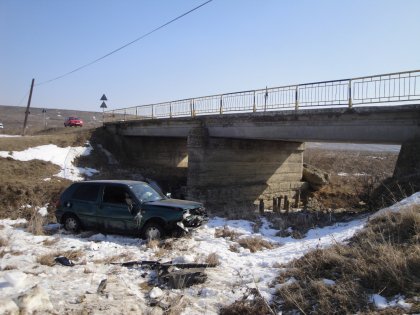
(379,124)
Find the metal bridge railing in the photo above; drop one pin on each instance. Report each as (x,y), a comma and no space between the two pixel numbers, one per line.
(392,88)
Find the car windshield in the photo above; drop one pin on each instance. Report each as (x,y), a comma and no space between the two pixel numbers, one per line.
(145,193)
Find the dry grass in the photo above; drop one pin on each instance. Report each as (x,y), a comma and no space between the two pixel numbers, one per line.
(36,223)
(51,241)
(255,243)
(49,259)
(234,248)
(72,137)
(383,258)
(225,232)
(9,267)
(115,258)
(152,244)
(353,191)
(3,242)
(212,259)
(22,182)
(252,303)
(297,224)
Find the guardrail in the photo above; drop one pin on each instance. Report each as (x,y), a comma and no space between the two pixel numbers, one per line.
(392,88)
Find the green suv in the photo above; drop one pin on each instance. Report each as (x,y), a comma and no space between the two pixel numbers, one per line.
(127,207)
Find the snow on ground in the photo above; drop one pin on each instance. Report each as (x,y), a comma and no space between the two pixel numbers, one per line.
(73,289)
(412,200)
(9,136)
(63,157)
(381,302)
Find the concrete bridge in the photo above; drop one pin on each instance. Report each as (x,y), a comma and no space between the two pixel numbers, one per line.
(237,148)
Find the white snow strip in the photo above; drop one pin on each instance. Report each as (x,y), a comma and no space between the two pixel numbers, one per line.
(409,201)
(9,136)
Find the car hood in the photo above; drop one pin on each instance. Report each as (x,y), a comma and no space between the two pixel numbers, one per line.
(176,203)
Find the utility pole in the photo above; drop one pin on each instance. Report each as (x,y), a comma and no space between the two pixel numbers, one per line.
(27,108)
(44,111)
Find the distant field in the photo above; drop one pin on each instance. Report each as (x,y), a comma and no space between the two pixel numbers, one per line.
(354,147)
(12,118)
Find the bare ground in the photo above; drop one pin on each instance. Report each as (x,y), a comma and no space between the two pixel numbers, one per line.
(354,175)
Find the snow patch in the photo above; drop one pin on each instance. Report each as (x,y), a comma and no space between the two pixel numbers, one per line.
(43,211)
(155,293)
(328,282)
(63,157)
(381,302)
(15,278)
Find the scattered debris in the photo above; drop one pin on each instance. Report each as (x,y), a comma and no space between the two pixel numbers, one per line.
(64,261)
(175,276)
(101,286)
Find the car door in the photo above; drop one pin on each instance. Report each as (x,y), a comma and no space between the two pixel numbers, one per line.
(84,203)
(114,213)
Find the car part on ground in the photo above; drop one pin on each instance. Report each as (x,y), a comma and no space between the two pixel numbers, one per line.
(174,276)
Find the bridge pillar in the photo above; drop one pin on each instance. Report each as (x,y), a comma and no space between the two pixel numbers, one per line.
(236,173)
(408,162)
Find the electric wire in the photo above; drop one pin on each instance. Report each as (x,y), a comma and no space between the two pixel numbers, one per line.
(125,45)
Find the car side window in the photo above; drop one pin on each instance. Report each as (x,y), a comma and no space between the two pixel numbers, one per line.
(86,192)
(115,195)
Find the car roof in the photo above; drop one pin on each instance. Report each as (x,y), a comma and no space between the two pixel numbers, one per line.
(113,181)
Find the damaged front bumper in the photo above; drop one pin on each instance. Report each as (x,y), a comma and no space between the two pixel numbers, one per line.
(192,219)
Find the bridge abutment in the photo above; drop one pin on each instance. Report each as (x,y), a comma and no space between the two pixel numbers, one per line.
(227,173)
(163,159)
(408,162)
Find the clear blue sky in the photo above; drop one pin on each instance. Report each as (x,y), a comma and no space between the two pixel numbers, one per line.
(226,46)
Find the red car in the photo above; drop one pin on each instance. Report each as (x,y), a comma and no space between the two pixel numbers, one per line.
(73,121)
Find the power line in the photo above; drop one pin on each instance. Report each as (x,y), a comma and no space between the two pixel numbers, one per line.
(124,46)
(23,97)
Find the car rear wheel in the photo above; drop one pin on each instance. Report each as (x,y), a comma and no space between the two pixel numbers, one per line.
(153,231)
(72,224)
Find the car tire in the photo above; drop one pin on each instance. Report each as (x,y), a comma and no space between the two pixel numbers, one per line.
(72,224)
(153,231)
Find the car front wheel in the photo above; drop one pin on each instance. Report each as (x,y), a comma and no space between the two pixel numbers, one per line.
(153,231)
(72,224)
